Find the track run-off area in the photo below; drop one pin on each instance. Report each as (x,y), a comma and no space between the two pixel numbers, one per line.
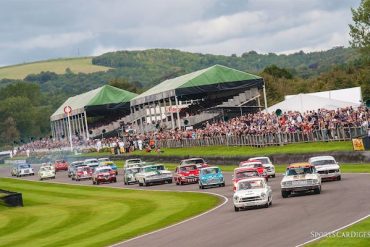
(288,222)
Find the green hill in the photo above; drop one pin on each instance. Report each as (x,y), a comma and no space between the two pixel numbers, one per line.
(59,66)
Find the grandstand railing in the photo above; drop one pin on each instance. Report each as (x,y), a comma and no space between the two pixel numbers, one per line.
(269,139)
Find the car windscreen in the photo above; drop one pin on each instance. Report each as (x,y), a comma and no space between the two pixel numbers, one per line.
(133,161)
(188,168)
(154,168)
(263,160)
(194,161)
(323,162)
(300,171)
(246,174)
(132,170)
(210,171)
(248,185)
(24,166)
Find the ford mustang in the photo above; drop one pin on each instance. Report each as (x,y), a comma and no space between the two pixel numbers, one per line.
(186,174)
(327,167)
(300,177)
(211,176)
(252,192)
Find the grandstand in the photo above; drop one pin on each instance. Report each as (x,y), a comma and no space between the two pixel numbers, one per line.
(190,100)
(108,105)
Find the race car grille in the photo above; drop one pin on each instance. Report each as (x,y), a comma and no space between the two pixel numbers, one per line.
(250,199)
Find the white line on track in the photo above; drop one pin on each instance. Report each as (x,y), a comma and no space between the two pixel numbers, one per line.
(159,230)
(334,231)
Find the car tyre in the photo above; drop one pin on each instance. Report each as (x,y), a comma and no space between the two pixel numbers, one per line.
(169,181)
(236,209)
(317,191)
(97,182)
(223,184)
(144,183)
(273,176)
(285,194)
(339,178)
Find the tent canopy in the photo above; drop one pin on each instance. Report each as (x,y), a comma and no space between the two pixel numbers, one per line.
(307,102)
(97,101)
(215,78)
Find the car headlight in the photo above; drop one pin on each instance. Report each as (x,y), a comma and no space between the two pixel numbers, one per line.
(263,194)
(315,181)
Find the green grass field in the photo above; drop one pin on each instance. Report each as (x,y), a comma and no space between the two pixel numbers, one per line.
(69,215)
(340,239)
(316,147)
(58,66)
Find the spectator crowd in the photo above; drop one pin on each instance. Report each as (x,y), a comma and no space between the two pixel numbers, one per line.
(257,123)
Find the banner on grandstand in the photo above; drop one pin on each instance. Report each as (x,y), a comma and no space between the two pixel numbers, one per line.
(175,109)
(358,144)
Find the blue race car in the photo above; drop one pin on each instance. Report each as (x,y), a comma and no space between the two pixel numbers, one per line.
(211,176)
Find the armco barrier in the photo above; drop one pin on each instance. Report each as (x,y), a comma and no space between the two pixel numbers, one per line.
(12,199)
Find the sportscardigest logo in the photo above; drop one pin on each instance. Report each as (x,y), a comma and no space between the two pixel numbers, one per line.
(349,234)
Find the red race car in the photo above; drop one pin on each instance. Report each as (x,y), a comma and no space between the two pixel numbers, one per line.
(242,173)
(82,172)
(104,174)
(61,165)
(186,174)
(255,164)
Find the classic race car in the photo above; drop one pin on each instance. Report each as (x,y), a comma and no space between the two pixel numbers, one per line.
(300,177)
(129,175)
(267,164)
(46,171)
(132,162)
(199,162)
(60,165)
(327,167)
(92,163)
(151,174)
(72,167)
(255,164)
(110,164)
(211,176)
(186,174)
(242,173)
(103,160)
(82,172)
(22,169)
(104,174)
(252,192)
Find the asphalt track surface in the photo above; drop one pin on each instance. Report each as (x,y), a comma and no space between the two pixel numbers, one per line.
(288,222)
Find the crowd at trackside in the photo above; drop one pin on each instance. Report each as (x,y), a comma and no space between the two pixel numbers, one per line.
(257,123)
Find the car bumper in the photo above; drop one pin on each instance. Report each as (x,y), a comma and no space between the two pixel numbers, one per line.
(189,179)
(251,203)
(212,183)
(330,175)
(301,188)
(47,176)
(157,180)
(105,179)
(270,173)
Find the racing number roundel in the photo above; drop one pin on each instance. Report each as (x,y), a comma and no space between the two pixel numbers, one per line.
(67,110)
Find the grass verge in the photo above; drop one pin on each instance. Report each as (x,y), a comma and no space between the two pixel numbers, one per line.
(61,215)
(347,236)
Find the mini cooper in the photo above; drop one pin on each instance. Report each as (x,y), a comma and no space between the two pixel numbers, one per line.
(186,174)
(60,165)
(257,165)
(152,174)
(111,165)
(22,169)
(211,176)
(46,171)
(104,174)
(300,177)
(242,173)
(327,167)
(267,164)
(129,175)
(251,192)
(82,172)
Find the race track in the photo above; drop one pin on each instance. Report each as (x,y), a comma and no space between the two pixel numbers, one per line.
(288,222)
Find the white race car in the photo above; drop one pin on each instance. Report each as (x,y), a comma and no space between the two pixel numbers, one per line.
(327,167)
(153,174)
(267,164)
(46,172)
(252,192)
(300,177)
(132,162)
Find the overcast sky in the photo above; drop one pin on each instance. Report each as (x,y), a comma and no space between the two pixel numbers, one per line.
(32,30)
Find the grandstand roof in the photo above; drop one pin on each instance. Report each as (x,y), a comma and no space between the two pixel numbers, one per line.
(106,96)
(215,78)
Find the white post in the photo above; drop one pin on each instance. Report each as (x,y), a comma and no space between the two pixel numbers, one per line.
(178,112)
(171,113)
(264,96)
(87,128)
(70,132)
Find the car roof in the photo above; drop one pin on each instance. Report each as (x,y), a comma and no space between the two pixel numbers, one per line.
(103,167)
(152,165)
(321,158)
(301,164)
(184,165)
(193,159)
(261,157)
(251,179)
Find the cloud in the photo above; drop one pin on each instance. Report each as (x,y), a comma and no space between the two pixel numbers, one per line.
(32,30)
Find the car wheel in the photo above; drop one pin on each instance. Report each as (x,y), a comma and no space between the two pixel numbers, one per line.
(97,182)
(144,183)
(236,209)
(169,181)
(201,187)
(40,179)
(93,182)
(317,191)
(115,180)
(267,204)
(54,177)
(273,176)
(223,184)
(285,194)
(339,178)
